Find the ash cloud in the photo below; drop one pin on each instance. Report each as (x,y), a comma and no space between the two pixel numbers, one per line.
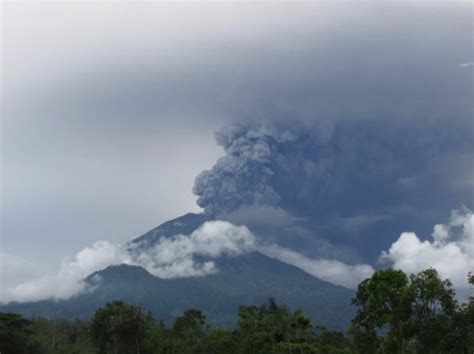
(362,165)
(351,183)
(243,176)
(366,118)
(105,120)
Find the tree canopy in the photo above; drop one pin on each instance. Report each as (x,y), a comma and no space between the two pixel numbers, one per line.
(396,313)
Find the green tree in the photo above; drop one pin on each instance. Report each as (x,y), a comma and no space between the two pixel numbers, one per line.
(365,339)
(432,307)
(188,332)
(260,328)
(16,335)
(416,314)
(384,304)
(329,341)
(190,324)
(273,328)
(158,339)
(62,336)
(220,340)
(121,328)
(300,326)
(459,337)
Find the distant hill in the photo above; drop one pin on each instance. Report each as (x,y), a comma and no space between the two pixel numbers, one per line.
(242,280)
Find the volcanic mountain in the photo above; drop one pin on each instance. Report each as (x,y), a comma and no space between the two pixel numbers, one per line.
(245,279)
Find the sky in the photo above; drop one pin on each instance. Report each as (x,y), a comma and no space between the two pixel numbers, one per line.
(352,122)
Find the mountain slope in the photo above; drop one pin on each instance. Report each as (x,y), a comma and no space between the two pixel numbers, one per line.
(184,225)
(246,279)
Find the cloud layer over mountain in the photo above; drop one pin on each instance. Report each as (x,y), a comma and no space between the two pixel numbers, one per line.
(451,252)
(174,257)
(69,278)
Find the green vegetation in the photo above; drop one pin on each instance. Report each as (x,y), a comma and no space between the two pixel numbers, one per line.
(396,314)
(417,314)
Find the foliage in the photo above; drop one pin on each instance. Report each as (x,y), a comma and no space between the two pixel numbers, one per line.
(416,314)
(272,327)
(16,334)
(61,336)
(396,314)
(120,328)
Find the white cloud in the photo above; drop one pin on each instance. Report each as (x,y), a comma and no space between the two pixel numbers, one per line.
(178,256)
(70,278)
(170,258)
(174,257)
(450,252)
(330,270)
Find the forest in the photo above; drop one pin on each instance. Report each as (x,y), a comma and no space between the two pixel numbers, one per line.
(396,313)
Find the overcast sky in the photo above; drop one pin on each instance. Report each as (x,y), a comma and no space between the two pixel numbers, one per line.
(109,110)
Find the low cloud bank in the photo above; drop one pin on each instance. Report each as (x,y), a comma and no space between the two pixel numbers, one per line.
(178,256)
(69,279)
(450,250)
(330,270)
(170,258)
(175,257)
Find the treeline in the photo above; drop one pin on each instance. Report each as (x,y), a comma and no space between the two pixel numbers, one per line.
(396,314)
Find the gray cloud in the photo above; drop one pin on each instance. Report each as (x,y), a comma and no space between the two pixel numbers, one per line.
(260,216)
(105,122)
(363,165)
(243,176)
(350,188)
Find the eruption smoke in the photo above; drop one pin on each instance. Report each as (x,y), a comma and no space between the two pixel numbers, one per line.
(359,165)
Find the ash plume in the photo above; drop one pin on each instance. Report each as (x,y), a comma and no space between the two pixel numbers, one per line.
(359,167)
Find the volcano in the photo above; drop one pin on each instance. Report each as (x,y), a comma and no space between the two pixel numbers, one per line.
(245,279)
